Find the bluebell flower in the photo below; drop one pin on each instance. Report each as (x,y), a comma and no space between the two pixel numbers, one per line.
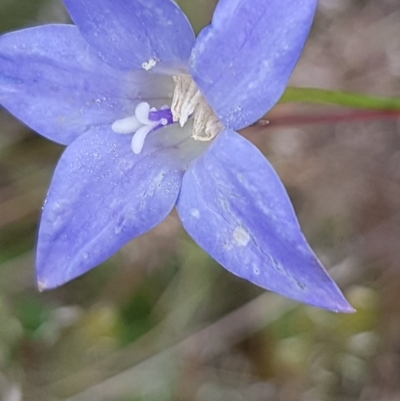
(150,115)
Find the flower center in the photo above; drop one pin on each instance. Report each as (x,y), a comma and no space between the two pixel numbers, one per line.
(144,121)
(187,102)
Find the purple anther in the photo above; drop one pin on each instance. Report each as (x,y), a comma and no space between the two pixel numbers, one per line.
(162,114)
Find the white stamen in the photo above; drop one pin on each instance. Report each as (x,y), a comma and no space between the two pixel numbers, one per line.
(186,98)
(139,138)
(127,125)
(206,124)
(189,102)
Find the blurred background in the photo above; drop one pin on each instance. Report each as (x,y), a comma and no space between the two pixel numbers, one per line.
(161,320)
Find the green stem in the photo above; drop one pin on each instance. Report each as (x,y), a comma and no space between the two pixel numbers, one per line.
(346,99)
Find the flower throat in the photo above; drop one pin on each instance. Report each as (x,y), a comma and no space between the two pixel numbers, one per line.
(187,103)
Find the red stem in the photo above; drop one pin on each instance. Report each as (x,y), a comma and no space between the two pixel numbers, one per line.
(333,118)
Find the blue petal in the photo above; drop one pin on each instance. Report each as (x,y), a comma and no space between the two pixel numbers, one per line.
(102,195)
(234,206)
(52,81)
(243,60)
(129,34)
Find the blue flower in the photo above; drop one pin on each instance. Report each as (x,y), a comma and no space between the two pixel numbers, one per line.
(150,114)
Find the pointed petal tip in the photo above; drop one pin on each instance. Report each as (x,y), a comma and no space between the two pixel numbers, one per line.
(336,304)
(332,300)
(43,285)
(324,293)
(336,301)
(345,308)
(48,283)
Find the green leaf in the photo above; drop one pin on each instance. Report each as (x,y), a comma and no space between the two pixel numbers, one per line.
(346,99)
